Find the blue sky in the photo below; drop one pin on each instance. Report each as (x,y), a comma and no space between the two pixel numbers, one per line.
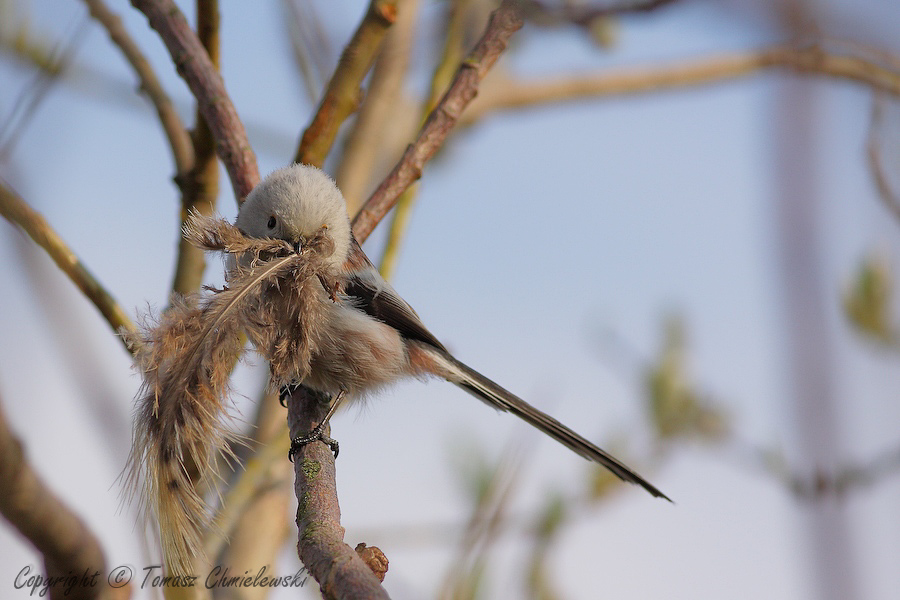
(534,232)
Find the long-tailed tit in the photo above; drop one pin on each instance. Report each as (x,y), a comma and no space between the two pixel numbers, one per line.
(372,337)
(322,315)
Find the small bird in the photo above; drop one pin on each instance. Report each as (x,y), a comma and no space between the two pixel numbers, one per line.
(344,332)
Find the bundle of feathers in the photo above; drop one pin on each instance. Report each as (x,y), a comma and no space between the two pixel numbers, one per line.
(187,356)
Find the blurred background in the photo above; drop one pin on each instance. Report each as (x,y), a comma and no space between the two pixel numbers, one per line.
(697,276)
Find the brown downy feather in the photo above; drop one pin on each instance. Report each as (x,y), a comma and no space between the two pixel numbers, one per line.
(187,357)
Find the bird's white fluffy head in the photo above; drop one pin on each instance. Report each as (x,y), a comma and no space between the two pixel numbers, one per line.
(292,204)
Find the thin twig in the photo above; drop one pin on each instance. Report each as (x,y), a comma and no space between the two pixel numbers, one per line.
(343,92)
(65,542)
(340,571)
(17,211)
(205,82)
(510,94)
(504,22)
(176,132)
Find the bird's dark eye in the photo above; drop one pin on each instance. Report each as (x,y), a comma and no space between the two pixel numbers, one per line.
(271,223)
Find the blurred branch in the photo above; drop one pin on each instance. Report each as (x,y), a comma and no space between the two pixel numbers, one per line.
(876,139)
(810,60)
(312,48)
(176,132)
(494,486)
(199,72)
(200,184)
(549,525)
(51,65)
(504,22)
(16,211)
(451,56)
(821,484)
(584,15)
(250,482)
(342,94)
(381,115)
(340,571)
(259,498)
(65,542)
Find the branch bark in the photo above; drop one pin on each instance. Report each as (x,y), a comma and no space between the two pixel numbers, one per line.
(342,95)
(66,543)
(195,67)
(340,571)
(17,211)
(504,22)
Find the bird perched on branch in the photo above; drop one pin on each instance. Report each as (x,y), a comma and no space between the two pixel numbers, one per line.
(305,294)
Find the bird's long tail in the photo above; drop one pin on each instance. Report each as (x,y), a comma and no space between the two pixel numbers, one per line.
(486,390)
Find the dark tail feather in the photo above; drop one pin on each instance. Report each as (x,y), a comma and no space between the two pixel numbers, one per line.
(484,389)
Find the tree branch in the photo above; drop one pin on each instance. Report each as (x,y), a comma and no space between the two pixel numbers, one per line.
(17,211)
(811,60)
(65,542)
(343,92)
(505,21)
(205,82)
(340,571)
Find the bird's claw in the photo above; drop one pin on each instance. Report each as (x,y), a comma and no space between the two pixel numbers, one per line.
(316,435)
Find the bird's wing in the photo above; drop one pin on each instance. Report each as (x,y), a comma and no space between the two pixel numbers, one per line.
(369,292)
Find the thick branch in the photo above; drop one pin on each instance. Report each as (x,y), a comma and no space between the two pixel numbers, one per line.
(16,211)
(63,539)
(343,92)
(505,21)
(812,60)
(198,71)
(179,140)
(340,571)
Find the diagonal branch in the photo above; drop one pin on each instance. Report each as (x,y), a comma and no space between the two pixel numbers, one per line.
(197,70)
(343,92)
(17,211)
(504,22)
